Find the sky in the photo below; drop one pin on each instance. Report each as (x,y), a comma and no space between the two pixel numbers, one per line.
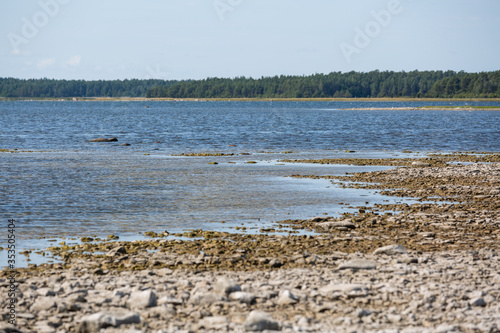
(196,39)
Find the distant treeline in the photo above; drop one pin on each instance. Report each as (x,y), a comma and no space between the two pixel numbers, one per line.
(431,84)
(47,88)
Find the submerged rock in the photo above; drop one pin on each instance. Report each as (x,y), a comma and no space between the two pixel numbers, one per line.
(358,264)
(103,140)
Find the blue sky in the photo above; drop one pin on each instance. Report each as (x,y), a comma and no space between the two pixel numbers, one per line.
(193,39)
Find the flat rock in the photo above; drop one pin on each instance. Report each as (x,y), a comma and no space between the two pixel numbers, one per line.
(142,299)
(358,264)
(350,290)
(259,321)
(43,303)
(225,286)
(391,250)
(207,298)
(96,321)
(339,225)
(214,323)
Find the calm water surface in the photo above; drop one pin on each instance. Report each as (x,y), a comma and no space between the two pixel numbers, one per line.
(67,186)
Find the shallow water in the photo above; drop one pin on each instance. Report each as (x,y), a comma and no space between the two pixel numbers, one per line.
(68,187)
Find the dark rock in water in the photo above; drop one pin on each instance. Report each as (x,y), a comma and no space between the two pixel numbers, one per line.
(103,140)
(126,144)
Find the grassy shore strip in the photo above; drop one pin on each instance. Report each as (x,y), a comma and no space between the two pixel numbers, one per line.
(144,99)
(433,108)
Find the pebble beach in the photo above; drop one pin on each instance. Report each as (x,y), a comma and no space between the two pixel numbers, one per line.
(426,267)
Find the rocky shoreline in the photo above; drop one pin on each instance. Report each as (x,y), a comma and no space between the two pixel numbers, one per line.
(428,267)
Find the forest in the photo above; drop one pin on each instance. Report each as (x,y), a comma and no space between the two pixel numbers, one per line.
(48,88)
(415,84)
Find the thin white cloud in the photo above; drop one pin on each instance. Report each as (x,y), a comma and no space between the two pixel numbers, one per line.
(44,63)
(74,61)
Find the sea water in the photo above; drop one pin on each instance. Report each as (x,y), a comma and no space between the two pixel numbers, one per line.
(57,184)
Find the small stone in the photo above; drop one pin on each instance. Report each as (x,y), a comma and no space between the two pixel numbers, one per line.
(275,263)
(45,292)
(358,264)
(116,251)
(360,313)
(444,328)
(286,298)
(142,299)
(225,286)
(408,260)
(420,164)
(170,300)
(478,302)
(391,250)
(260,321)
(242,297)
(394,318)
(7,328)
